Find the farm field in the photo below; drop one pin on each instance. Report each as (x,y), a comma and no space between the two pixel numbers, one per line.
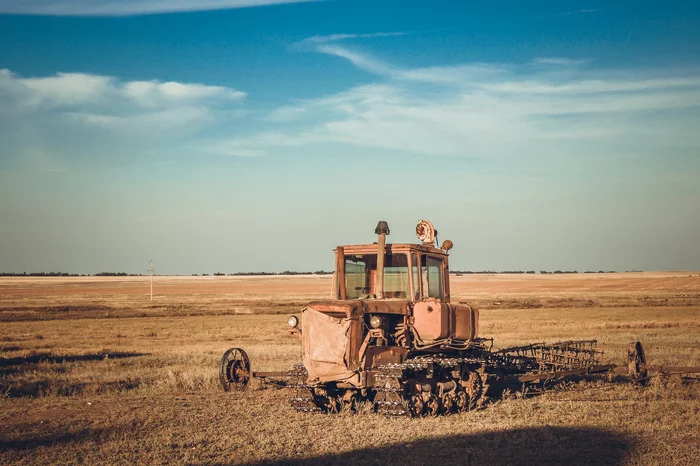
(93,372)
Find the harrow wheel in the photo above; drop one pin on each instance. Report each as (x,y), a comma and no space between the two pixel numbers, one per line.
(234,370)
(637,364)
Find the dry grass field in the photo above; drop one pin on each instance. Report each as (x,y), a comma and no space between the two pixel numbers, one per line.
(92,372)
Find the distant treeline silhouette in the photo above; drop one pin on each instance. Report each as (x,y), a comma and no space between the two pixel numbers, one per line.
(286,272)
(66,274)
(40,274)
(543,272)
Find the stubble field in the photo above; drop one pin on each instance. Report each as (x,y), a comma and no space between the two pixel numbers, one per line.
(93,372)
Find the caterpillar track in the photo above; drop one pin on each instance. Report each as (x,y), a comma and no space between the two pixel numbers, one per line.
(437,384)
(422,386)
(429,386)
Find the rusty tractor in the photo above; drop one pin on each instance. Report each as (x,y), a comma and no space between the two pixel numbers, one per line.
(390,336)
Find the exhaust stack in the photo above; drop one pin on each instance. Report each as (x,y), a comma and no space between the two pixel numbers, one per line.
(382,230)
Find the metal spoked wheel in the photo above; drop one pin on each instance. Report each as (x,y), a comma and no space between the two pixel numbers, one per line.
(234,370)
(637,364)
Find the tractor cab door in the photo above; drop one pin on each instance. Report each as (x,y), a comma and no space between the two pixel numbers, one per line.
(430,277)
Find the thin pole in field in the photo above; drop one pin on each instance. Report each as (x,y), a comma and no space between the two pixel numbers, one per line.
(152,271)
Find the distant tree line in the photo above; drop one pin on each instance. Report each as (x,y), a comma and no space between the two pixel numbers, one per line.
(39,274)
(467,272)
(543,272)
(124,274)
(66,274)
(286,272)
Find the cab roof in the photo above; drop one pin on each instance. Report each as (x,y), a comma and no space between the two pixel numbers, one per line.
(391,248)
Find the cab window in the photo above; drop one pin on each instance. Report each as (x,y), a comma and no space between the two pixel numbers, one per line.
(356,277)
(396,276)
(432,277)
(360,272)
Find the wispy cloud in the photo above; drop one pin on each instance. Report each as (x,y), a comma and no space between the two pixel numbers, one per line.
(124,7)
(362,61)
(456,75)
(574,12)
(340,37)
(329,45)
(559,61)
(77,88)
(496,111)
(87,115)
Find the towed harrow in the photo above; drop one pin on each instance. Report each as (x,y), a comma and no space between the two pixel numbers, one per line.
(464,382)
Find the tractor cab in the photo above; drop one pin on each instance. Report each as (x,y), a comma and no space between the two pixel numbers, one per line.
(414,272)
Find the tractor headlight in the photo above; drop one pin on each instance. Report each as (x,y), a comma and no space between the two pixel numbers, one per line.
(375,321)
(293,321)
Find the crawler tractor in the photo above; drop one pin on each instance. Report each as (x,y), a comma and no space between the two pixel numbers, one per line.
(391,336)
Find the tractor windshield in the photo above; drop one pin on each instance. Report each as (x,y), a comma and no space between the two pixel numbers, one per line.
(360,271)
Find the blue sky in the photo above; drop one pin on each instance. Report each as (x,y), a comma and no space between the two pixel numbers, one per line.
(229,136)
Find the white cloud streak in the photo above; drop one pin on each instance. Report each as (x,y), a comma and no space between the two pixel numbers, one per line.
(81,88)
(496,111)
(559,61)
(125,7)
(574,12)
(358,59)
(328,45)
(86,115)
(340,37)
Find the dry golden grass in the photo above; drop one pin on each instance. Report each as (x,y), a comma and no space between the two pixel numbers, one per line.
(94,373)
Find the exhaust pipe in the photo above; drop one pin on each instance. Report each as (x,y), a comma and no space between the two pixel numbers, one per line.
(382,230)
(340,273)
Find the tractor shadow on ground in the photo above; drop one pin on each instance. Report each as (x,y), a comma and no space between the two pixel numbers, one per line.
(536,446)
